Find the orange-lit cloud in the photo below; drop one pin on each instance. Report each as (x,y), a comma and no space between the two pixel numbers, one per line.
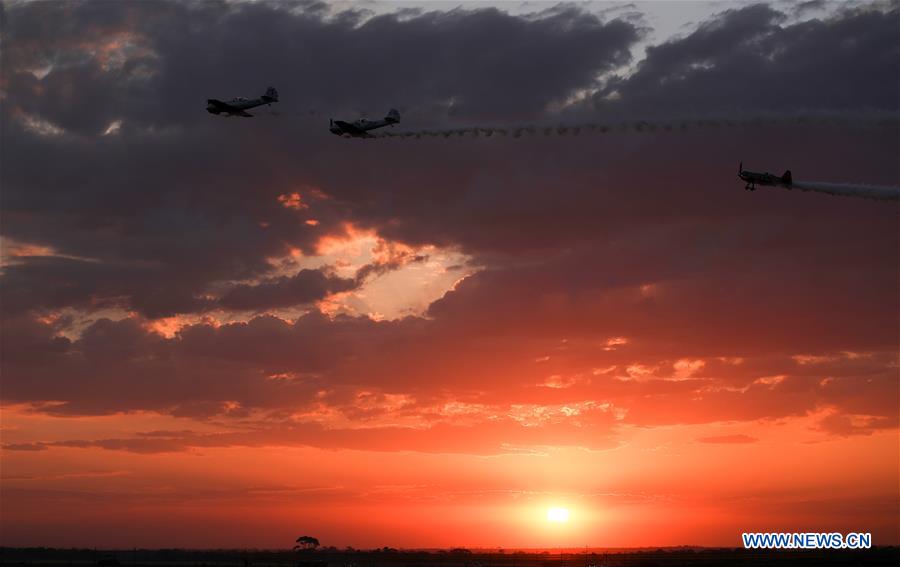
(292,201)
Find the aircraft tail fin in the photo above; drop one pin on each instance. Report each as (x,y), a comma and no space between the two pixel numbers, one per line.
(271,94)
(392,116)
(786,178)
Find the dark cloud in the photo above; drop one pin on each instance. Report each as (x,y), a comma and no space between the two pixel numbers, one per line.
(847,425)
(472,61)
(304,287)
(647,237)
(268,369)
(749,61)
(26,447)
(176,201)
(490,437)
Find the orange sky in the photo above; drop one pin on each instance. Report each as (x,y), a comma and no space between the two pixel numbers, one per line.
(656,486)
(659,488)
(221,332)
(641,450)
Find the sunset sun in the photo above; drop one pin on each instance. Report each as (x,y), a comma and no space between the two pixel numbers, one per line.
(558,515)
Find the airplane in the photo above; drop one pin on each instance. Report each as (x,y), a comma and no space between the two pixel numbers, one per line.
(360,128)
(752,178)
(239,106)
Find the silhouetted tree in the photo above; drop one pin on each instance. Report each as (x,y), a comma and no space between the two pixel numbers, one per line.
(306,542)
(387,549)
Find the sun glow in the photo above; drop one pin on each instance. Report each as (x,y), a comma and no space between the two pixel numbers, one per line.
(557,515)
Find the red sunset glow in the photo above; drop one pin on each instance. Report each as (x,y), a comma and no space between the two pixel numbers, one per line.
(485,331)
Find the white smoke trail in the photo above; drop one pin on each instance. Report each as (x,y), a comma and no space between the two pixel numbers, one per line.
(849,190)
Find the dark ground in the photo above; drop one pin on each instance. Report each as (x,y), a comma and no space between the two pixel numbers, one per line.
(47,557)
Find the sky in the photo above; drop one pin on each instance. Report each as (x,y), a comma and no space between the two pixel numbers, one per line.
(229,332)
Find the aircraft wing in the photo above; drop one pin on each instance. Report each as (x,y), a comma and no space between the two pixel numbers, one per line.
(220,106)
(351,129)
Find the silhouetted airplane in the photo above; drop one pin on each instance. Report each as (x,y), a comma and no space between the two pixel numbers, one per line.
(239,106)
(360,128)
(752,178)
